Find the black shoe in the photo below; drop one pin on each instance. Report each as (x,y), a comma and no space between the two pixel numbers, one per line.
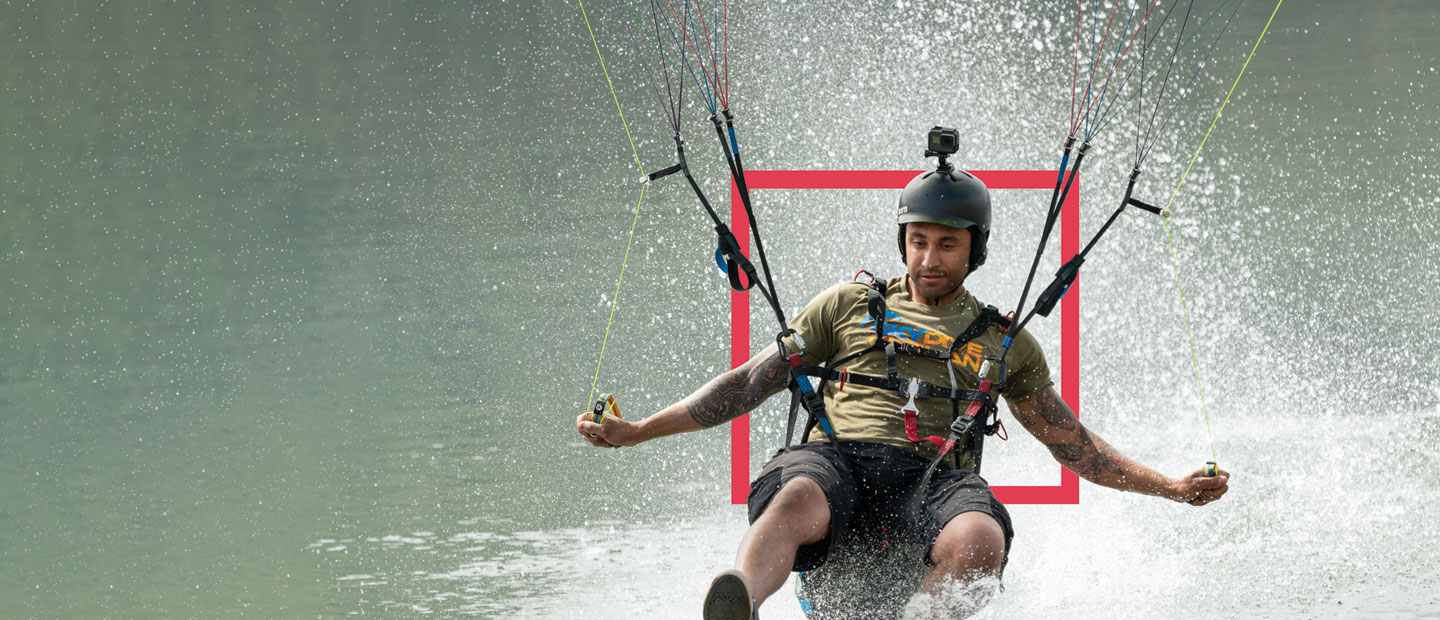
(729,598)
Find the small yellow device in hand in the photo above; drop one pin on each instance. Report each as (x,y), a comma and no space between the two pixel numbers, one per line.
(604,406)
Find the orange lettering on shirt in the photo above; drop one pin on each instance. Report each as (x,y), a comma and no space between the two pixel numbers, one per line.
(973,355)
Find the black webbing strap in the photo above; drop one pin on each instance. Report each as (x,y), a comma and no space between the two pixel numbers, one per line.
(795,398)
(919,351)
(834,371)
(989,317)
(875,306)
(790,421)
(926,389)
(735,261)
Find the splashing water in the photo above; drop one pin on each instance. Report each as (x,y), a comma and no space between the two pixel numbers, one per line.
(302,304)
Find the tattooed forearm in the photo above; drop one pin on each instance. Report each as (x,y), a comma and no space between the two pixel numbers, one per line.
(1066,453)
(1050,420)
(1086,457)
(735,393)
(1054,412)
(1070,442)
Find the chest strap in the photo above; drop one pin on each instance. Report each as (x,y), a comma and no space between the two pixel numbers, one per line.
(811,397)
(897,385)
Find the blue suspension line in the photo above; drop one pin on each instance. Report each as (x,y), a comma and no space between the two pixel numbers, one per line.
(1094,30)
(712,99)
(1091,124)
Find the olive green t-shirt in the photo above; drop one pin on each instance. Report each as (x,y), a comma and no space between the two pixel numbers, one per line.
(836,324)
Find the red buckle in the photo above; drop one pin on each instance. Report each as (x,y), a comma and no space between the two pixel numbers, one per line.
(844,374)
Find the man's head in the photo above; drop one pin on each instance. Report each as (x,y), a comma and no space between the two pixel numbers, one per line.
(937,257)
(951,198)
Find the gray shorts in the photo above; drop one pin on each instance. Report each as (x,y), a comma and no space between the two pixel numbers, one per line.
(873,498)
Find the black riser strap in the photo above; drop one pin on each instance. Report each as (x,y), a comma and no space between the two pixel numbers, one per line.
(790,422)
(735,261)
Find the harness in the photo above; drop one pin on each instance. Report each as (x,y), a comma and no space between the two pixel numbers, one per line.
(964,424)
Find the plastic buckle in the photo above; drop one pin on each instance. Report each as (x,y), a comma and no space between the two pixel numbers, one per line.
(961,425)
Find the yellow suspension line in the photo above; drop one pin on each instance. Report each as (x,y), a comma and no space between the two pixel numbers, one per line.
(615,302)
(612,88)
(1175,262)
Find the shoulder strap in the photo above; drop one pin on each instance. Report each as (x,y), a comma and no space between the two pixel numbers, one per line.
(988,318)
(874,306)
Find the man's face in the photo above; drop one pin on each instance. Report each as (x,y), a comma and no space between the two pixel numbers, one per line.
(937,257)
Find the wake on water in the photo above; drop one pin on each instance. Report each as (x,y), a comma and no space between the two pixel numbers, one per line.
(1313,527)
(1326,517)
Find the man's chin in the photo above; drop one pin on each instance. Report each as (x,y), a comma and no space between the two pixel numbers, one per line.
(936,291)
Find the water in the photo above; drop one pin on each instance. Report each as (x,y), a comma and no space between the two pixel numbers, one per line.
(302,300)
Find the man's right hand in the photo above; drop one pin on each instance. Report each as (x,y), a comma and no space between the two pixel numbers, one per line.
(612,433)
(723,399)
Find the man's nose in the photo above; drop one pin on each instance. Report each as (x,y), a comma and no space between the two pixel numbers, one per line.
(929,257)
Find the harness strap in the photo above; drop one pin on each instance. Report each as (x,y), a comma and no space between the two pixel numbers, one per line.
(790,420)
(875,306)
(912,419)
(988,317)
(812,397)
(814,403)
(910,349)
(925,389)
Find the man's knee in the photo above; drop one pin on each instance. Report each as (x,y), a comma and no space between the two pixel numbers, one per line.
(972,543)
(801,506)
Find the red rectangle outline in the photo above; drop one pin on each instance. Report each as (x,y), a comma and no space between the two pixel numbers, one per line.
(1068,491)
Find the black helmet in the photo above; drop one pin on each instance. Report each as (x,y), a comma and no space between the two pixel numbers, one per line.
(949,197)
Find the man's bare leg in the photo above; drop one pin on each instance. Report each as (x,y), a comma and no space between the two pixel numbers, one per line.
(799,515)
(969,551)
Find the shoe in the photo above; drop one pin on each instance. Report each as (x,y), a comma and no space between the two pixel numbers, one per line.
(729,598)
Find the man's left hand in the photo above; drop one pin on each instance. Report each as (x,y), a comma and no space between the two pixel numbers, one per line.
(1198,489)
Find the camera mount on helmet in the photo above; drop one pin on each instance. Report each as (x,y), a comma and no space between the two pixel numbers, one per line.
(942,143)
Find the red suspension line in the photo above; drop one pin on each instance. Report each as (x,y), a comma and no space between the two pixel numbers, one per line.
(1104,38)
(1123,52)
(700,57)
(1075,68)
(725,12)
(714,74)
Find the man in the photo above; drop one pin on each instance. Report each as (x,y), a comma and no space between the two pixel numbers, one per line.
(858,491)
